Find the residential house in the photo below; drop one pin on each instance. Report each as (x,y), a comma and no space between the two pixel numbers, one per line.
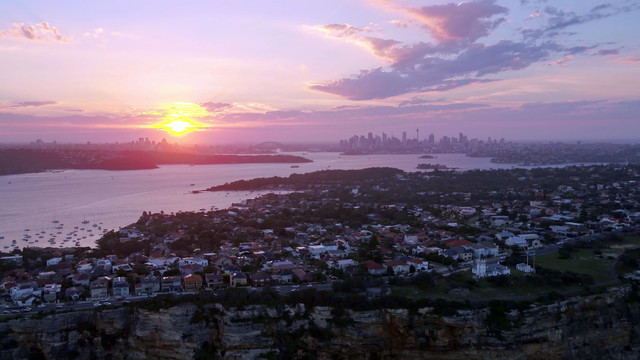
(54,261)
(104,264)
(22,290)
(51,292)
(516,241)
(100,288)
(374,268)
(283,277)
(84,267)
(188,269)
(73,293)
(341,263)
(481,269)
(418,264)
(261,278)
(238,279)
(301,275)
(171,284)
(149,284)
(194,260)
(398,266)
(80,279)
(124,267)
(192,282)
(221,260)
(533,240)
(214,281)
(120,287)
(459,252)
(525,268)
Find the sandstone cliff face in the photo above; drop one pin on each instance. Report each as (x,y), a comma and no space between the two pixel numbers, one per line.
(594,327)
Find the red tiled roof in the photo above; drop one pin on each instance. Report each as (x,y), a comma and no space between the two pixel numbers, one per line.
(372,265)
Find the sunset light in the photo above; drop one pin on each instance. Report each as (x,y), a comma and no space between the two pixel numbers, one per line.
(180,126)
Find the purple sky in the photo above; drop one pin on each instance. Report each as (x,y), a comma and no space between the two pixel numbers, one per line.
(293,71)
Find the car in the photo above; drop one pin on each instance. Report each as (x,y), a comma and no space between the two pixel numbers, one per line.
(96,304)
(42,305)
(106,303)
(6,312)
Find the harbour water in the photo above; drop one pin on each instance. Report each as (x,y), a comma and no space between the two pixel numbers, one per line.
(74,207)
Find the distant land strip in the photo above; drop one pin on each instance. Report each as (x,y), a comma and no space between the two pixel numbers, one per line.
(305,181)
(19,161)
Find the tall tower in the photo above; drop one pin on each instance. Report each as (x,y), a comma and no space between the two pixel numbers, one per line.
(404,137)
(417,137)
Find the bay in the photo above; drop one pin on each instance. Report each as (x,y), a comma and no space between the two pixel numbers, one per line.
(78,205)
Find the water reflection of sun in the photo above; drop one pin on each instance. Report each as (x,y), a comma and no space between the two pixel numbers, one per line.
(178,119)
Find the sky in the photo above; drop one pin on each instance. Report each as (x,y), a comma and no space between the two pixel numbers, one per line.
(318,70)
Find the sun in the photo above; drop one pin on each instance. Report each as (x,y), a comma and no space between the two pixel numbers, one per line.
(180,119)
(179,127)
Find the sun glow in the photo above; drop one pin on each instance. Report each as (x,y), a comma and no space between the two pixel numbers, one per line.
(178,119)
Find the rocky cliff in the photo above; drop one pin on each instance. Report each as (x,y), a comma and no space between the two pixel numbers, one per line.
(592,327)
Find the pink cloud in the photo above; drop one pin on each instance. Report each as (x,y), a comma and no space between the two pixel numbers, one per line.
(628,60)
(563,61)
(38,32)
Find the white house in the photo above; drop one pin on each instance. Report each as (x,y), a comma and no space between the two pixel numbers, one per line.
(399,267)
(341,263)
(532,239)
(54,261)
(418,264)
(525,268)
(104,263)
(194,260)
(481,269)
(22,291)
(516,241)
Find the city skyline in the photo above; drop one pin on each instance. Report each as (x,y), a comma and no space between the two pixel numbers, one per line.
(250,72)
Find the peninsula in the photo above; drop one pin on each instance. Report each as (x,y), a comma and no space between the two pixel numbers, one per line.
(23,160)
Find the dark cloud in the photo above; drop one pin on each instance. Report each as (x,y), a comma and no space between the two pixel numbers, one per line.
(607,52)
(561,19)
(578,49)
(214,106)
(439,74)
